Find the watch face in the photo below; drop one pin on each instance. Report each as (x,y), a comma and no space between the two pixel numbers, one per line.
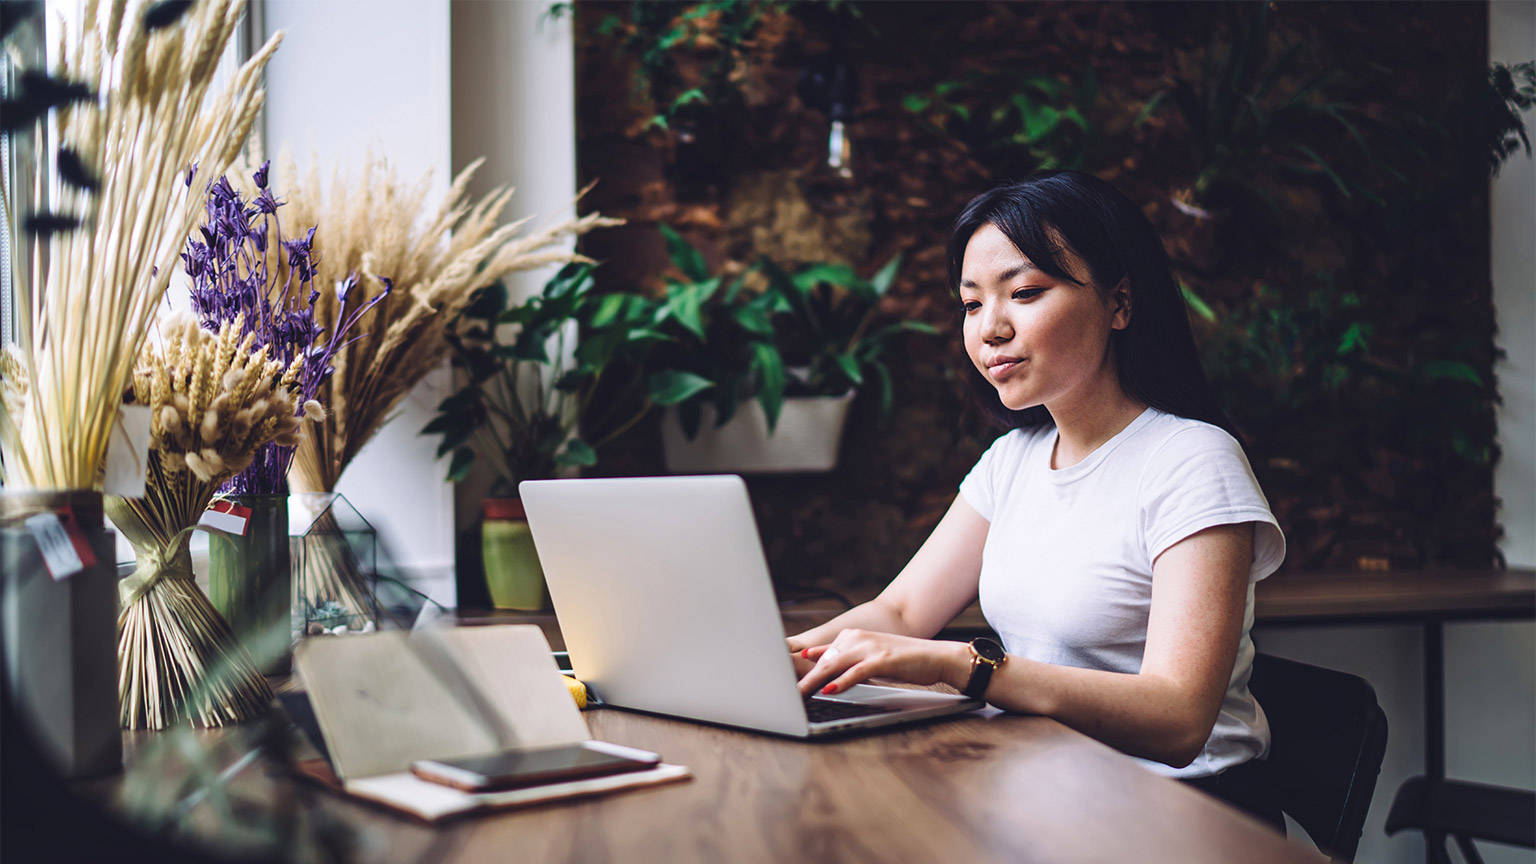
(988,650)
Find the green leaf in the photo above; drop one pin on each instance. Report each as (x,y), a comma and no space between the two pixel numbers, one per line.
(672,386)
(458,468)
(1354,339)
(883,391)
(577,453)
(687,305)
(917,103)
(609,309)
(1149,109)
(735,287)
(882,280)
(815,274)
(574,279)
(1040,123)
(452,440)
(786,289)
(645,334)
(1196,304)
(523,314)
(769,364)
(488,302)
(726,400)
(1452,370)
(850,367)
(441,423)
(685,257)
(693,95)
(753,319)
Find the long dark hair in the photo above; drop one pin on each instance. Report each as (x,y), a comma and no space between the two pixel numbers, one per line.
(1155,354)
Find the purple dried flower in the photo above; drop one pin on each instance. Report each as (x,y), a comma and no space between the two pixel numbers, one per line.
(232,273)
(261,175)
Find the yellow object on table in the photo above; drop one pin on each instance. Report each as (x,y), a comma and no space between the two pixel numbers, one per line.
(578,690)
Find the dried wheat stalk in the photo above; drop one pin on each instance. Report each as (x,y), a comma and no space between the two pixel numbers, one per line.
(95,290)
(213,402)
(371,225)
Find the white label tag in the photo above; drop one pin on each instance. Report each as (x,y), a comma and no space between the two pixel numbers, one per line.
(128,453)
(226,515)
(58,548)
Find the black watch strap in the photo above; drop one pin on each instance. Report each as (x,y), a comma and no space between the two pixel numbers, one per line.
(986,655)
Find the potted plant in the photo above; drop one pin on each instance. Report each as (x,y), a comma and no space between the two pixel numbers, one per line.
(528,393)
(762,381)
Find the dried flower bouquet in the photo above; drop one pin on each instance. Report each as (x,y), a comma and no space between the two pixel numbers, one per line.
(373,232)
(138,114)
(243,268)
(373,229)
(215,400)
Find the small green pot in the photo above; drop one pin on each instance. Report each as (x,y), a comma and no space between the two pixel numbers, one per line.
(250,581)
(512,571)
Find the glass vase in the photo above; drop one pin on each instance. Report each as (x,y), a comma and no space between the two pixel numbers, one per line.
(250,581)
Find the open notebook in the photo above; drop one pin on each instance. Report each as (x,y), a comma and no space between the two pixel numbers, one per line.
(383,700)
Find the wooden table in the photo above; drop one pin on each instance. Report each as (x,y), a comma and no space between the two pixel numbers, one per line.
(988,788)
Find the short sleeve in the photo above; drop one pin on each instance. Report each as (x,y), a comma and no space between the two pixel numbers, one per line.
(1198,479)
(988,481)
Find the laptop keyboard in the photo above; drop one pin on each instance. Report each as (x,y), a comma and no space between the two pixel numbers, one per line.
(824,710)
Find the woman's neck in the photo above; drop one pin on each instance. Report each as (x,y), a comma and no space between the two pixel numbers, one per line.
(1084,427)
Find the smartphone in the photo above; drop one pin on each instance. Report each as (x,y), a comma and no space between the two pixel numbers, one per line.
(518,768)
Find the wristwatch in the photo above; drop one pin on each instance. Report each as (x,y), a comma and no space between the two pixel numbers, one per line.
(986,655)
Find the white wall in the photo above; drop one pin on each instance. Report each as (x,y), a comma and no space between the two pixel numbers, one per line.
(514,103)
(351,73)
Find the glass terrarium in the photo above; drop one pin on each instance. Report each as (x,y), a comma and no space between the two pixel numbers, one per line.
(335,566)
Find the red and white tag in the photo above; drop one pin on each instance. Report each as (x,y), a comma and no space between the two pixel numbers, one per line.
(226,515)
(65,550)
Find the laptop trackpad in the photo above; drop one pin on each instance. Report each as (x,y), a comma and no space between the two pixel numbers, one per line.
(897,698)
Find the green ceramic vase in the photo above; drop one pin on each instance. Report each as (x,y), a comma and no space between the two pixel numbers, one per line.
(250,581)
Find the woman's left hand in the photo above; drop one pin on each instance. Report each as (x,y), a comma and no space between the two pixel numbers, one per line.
(858,655)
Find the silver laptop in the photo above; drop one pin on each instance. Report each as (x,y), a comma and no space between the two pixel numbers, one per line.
(665,603)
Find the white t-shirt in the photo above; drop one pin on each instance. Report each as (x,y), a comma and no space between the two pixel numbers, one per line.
(1066,574)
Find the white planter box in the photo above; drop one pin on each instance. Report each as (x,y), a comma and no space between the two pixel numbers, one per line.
(806,438)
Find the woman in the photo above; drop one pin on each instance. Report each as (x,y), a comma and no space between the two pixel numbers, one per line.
(1114,535)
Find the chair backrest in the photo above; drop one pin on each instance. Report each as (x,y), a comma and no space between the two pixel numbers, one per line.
(1328,736)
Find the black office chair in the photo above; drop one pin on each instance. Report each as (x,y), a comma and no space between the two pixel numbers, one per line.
(1328,736)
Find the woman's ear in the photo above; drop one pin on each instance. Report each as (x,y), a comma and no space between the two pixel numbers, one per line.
(1120,295)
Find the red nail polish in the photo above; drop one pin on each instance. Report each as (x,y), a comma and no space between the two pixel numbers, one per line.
(805,654)
(829,689)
